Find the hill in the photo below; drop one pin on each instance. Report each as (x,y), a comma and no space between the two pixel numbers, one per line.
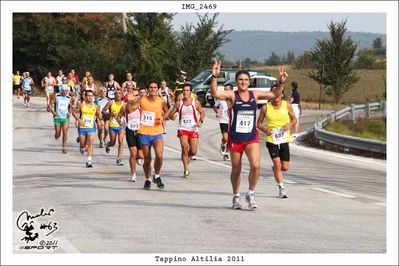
(259,45)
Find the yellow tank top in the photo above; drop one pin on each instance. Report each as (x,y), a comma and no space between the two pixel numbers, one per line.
(115,108)
(149,112)
(16,79)
(276,119)
(88,115)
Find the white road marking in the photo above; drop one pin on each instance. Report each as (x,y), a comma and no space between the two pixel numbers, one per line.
(290,182)
(334,193)
(382,204)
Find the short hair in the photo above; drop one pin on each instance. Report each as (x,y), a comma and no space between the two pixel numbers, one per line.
(152,81)
(229,85)
(189,85)
(294,84)
(86,91)
(242,72)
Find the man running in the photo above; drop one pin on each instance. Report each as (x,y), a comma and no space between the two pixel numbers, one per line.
(295,101)
(280,118)
(223,122)
(129,80)
(102,101)
(59,81)
(153,110)
(243,134)
(27,82)
(49,82)
(86,113)
(61,113)
(181,79)
(112,86)
(115,128)
(168,96)
(188,125)
(132,118)
(16,83)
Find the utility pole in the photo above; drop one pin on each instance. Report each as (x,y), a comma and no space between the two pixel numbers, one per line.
(124,18)
(321,85)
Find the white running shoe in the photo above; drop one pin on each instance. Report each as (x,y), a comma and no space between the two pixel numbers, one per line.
(140,162)
(282,194)
(252,205)
(89,164)
(236,203)
(119,161)
(133,179)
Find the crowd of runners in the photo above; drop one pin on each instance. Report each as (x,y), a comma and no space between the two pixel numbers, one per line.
(115,112)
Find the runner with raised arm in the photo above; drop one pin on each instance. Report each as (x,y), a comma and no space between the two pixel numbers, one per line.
(243,134)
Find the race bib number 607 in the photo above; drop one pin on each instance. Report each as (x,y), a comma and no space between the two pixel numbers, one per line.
(279,136)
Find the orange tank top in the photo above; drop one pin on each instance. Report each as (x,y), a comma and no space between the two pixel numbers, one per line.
(150,114)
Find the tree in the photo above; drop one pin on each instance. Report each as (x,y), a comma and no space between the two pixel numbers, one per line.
(199,44)
(290,57)
(304,61)
(336,55)
(377,43)
(366,60)
(378,48)
(273,60)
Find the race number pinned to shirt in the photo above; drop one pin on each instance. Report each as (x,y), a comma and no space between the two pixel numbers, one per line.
(279,136)
(89,121)
(111,94)
(148,118)
(63,105)
(133,121)
(245,121)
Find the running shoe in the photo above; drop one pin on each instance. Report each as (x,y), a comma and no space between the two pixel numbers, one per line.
(133,178)
(226,157)
(282,194)
(186,173)
(140,162)
(101,145)
(236,203)
(119,161)
(147,184)
(81,150)
(107,149)
(193,158)
(158,181)
(25,104)
(222,149)
(252,205)
(89,164)
(28,104)
(64,151)
(48,109)
(294,136)
(164,131)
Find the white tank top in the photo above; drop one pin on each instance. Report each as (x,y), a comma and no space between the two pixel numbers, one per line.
(188,117)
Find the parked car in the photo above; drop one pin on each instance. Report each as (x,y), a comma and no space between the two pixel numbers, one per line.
(201,82)
(258,82)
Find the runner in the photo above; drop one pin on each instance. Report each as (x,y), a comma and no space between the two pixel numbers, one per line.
(101,101)
(61,113)
(188,125)
(168,96)
(129,80)
(280,118)
(72,83)
(16,83)
(132,117)
(112,86)
(85,113)
(181,79)
(243,134)
(115,128)
(129,92)
(143,92)
(27,85)
(223,122)
(59,81)
(295,101)
(90,85)
(153,110)
(48,83)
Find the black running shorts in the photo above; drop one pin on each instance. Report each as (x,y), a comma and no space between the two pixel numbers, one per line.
(132,138)
(282,151)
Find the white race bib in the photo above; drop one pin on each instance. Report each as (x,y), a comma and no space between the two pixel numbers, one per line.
(114,121)
(187,121)
(245,121)
(279,136)
(148,118)
(63,105)
(111,94)
(89,121)
(133,121)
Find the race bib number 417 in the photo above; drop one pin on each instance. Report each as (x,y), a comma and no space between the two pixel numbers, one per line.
(245,121)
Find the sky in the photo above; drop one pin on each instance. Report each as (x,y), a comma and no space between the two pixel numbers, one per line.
(291,22)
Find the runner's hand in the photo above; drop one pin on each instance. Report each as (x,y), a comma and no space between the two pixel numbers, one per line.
(287,127)
(217,115)
(283,75)
(269,131)
(216,68)
(199,123)
(158,121)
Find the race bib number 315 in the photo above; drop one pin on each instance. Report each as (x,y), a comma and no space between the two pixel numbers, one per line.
(148,118)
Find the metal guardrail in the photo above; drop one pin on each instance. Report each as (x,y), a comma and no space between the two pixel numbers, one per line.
(350,141)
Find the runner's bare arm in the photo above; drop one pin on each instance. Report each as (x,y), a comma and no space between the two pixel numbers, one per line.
(174,111)
(50,106)
(293,120)
(121,114)
(202,113)
(98,113)
(259,122)
(106,107)
(165,111)
(221,95)
(270,95)
(76,112)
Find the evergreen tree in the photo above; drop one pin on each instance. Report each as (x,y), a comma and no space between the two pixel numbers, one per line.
(336,56)
(273,60)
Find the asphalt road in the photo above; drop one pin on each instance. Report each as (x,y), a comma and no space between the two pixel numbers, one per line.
(336,202)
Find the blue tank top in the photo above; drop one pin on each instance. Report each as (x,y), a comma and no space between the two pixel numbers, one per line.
(102,102)
(242,119)
(62,105)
